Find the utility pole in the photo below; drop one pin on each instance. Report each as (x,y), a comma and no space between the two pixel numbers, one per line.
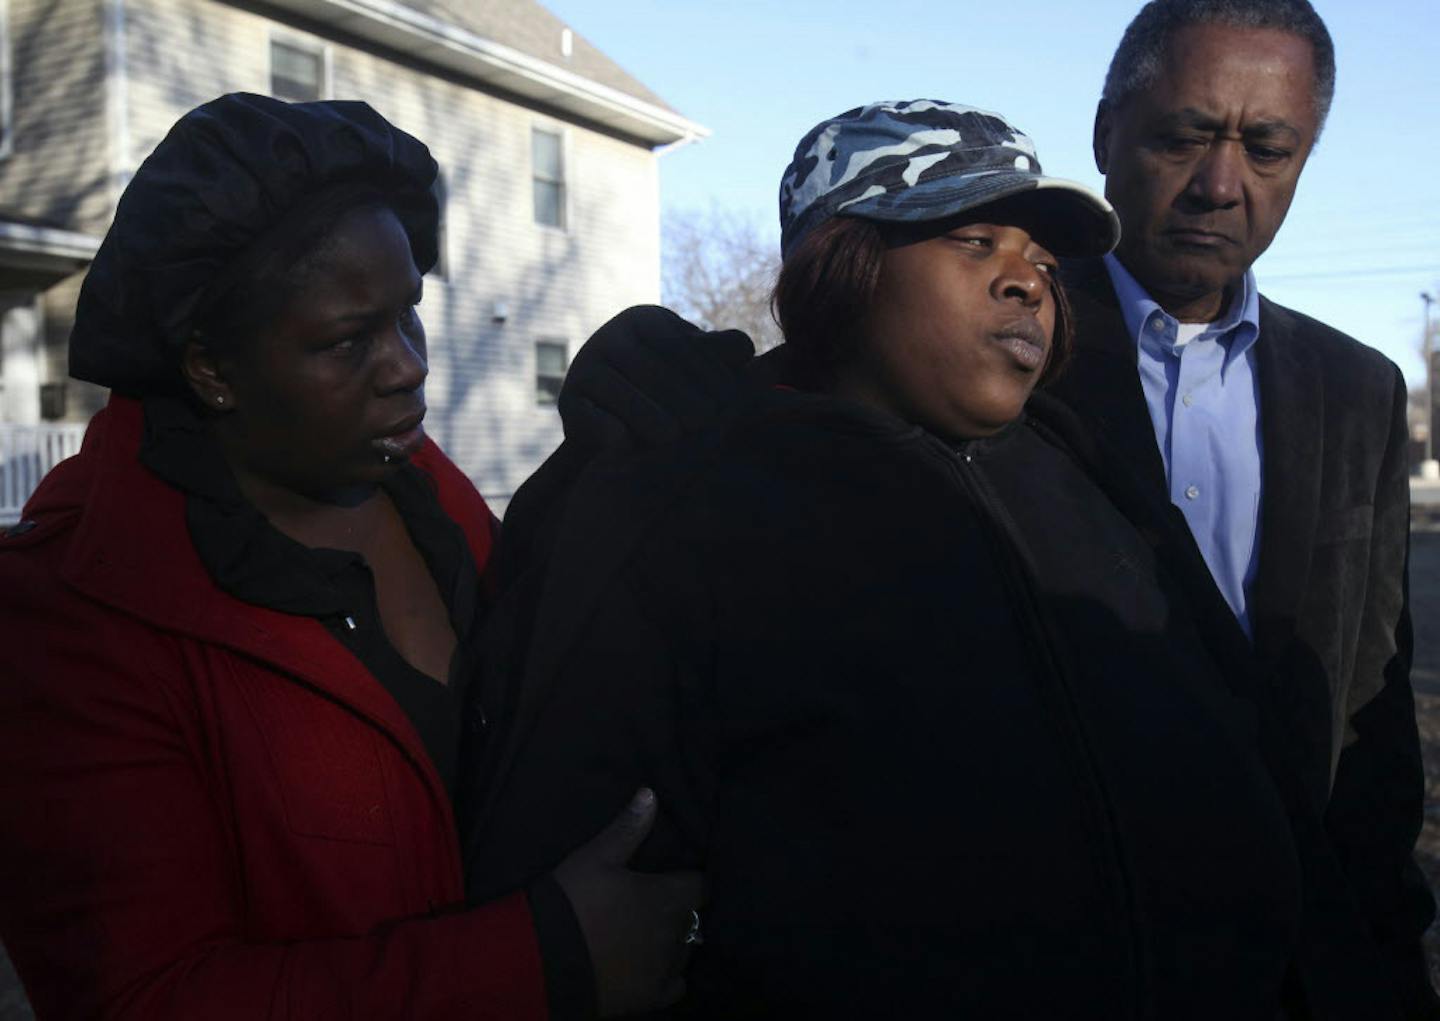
(1428,468)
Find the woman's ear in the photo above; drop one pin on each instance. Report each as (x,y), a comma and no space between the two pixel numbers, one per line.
(206,379)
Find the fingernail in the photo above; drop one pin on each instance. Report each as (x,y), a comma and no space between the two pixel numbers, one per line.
(642,799)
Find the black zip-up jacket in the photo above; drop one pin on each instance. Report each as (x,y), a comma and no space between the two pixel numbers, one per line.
(936,721)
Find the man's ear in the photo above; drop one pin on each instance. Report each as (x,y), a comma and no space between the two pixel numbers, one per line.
(203,372)
(1100,138)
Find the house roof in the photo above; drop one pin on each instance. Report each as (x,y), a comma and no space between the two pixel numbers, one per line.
(532,29)
(515,45)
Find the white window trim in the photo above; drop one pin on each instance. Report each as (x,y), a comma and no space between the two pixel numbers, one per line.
(566,176)
(7,84)
(301,42)
(563,342)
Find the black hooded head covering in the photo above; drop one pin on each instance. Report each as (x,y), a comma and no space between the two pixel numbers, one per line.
(227,173)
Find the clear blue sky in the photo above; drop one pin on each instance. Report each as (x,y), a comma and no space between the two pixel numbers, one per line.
(1362,239)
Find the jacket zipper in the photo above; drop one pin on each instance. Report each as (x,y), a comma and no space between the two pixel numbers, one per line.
(1061,696)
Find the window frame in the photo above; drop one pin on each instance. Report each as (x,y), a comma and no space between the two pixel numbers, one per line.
(562,145)
(311,47)
(543,398)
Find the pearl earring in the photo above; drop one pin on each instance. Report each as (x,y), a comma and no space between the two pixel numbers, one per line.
(219,398)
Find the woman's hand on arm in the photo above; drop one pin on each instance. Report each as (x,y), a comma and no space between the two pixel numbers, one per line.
(634,923)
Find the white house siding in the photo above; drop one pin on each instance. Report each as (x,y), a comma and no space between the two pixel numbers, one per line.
(58,168)
(57,171)
(553,284)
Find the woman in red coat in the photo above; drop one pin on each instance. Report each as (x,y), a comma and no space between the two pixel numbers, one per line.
(239,623)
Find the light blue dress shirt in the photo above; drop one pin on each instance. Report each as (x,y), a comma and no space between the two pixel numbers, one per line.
(1203,393)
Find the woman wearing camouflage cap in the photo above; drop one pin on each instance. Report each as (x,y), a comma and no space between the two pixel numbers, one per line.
(239,624)
(910,665)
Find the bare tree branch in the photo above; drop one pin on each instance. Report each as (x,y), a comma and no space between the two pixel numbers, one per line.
(718,271)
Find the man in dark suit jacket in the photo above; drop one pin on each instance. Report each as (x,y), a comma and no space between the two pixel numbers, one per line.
(1281,440)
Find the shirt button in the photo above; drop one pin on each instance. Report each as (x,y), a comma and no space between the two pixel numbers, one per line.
(1157,324)
(1188,400)
(1191,492)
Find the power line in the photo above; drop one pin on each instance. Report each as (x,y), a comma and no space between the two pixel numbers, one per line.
(1368,238)
(1387,271)
(1306,262)
(1343,241)
(1422,253)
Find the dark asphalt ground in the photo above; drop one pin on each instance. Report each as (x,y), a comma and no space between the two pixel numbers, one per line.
(1425,611)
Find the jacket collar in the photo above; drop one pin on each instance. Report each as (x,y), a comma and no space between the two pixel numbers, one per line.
(130,549)
(1103,385)
(1292,411)
(1102,381)
(1240,320)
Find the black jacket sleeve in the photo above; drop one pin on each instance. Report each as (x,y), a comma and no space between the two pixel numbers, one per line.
(1376,804)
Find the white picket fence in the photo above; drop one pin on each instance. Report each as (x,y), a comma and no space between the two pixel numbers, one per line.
(27,452)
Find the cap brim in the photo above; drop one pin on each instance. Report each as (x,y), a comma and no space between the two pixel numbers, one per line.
(1073,220)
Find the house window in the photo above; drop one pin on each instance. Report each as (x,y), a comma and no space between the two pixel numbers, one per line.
(52,401)
(552,358)
(547,162)
(441,269)
(297,72)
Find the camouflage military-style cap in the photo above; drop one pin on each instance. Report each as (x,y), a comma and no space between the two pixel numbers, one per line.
(921,159)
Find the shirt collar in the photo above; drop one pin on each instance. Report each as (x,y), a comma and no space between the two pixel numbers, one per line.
(1238,328)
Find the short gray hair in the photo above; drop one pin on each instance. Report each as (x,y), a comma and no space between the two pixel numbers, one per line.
(1140,56)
